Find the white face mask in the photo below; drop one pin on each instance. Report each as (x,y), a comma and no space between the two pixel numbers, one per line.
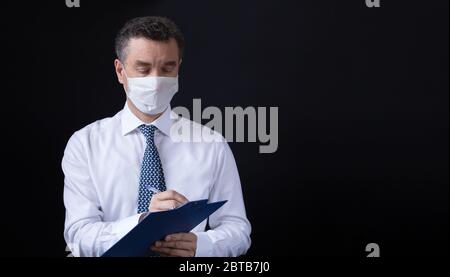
(151,95)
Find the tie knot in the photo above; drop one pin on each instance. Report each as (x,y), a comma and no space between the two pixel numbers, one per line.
(148,131)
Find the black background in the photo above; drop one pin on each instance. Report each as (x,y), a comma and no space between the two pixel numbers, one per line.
(363,114)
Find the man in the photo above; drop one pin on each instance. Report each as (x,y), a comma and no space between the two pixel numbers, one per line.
(119,169)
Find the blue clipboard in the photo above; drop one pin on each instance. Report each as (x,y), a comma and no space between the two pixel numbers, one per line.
(155,226)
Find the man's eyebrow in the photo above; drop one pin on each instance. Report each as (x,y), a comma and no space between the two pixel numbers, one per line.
(142,63)
(170,63)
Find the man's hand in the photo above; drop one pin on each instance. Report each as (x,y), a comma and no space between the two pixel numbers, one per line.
(166,200)
(177,245)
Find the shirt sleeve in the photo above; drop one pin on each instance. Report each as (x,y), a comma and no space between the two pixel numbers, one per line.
(85,232)
(230,229)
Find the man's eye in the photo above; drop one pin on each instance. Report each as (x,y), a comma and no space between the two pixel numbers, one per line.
(143,71)
(167,69)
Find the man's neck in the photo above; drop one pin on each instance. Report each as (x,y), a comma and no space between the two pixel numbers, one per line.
(146,118)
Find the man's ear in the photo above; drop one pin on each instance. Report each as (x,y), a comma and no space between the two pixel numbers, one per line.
(119,71)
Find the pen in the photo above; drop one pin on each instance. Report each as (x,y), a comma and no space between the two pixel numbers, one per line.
(153,189)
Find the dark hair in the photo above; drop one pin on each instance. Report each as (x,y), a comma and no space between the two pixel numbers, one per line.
(150,27)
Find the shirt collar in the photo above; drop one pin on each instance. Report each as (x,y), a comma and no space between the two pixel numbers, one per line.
(131,122)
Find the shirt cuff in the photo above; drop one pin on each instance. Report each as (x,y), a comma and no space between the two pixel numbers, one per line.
(204,245)
(122,227)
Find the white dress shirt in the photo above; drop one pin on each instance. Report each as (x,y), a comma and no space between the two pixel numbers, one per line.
(102,165)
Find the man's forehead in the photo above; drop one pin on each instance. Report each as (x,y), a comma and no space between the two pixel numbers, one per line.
(138,62)
(147,50)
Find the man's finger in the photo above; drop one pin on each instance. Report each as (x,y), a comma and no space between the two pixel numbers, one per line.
(175,244)
(173,252)
(181,236)
(165,205)
(171,195)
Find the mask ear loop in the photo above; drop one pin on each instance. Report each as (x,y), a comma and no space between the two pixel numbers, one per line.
(123,69)
(125,73)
